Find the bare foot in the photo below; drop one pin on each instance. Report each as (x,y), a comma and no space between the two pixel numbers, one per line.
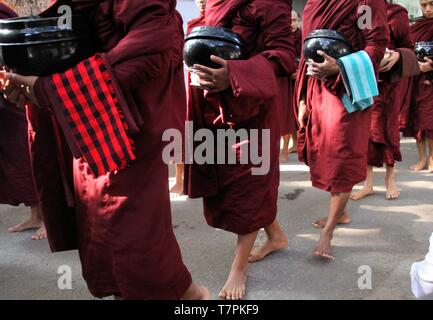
(235,287)
(284,155)
(177,190)
(271,245)
(320,223)
(41,234)
(430,165)
(293,149)
(364,192)
(392,191)
(196,292)
(419,166)
(324,247)
(26,225)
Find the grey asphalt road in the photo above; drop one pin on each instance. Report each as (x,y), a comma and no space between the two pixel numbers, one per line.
(385,237)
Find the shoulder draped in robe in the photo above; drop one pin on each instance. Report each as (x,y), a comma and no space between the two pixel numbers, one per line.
(334,144)
(384,146)
(121,221)
(422,93)
(234,199)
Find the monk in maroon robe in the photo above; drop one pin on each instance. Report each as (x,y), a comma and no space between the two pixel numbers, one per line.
(178,189)
(331,141)
(16,179)
(243,95)
(199,21)
(384,145)
(121,220)
(289,126)
(422,92)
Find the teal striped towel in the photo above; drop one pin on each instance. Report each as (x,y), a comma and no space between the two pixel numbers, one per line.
(359,80)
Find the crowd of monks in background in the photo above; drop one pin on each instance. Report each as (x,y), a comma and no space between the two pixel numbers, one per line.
(116,215)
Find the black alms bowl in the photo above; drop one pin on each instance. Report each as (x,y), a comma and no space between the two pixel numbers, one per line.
(202,42)
(43,46)
(329,41)
(424,50)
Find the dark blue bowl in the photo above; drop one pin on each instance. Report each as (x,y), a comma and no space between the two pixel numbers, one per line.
(202,42)
(331,42)
(424,49)
(41,46)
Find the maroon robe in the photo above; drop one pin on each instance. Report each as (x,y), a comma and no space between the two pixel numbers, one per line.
(334,144)
(16,179)
(289,124)
(197,22)
(288,118)
(384,145)
(234,199)
(298,42)
(422,90)
(120,221)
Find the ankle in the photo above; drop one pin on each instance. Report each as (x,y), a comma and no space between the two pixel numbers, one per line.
(192,293)
(239,267)
(277,237)
(327,233)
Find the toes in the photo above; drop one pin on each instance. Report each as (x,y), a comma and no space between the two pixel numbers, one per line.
(254,259)
(324,255)
(328,256)
(222,294)
(319,224)
(393,196)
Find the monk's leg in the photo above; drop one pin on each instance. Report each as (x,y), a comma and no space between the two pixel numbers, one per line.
(196,292)
(368,186)
(421,145)
(41,233)
(284,153)
(35,222)
(337,206)
(235,287)
(294,147)
(276,240)
(392,191)
(344,219)
(177,189)
(430,161)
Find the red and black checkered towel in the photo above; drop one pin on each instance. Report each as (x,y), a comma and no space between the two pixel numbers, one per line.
(90,113)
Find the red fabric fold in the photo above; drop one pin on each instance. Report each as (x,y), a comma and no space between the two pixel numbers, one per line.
(87,107)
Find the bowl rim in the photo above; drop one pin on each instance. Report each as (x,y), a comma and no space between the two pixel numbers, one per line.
(238,39)
(34,43)
(33,19)
(423,43)
(339,36)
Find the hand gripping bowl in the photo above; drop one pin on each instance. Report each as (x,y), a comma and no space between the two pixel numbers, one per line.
(202,42)
(329,41)
(43,46)
(424,49)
